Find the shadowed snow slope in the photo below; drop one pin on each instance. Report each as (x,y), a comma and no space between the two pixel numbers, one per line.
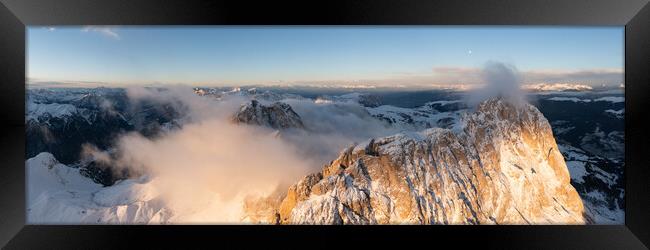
(502,167)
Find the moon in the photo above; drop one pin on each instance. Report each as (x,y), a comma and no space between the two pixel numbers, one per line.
(469,52)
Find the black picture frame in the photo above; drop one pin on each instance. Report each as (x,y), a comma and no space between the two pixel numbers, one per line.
(15,15)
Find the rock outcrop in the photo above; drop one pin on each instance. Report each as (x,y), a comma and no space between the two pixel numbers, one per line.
(278,115)
(503,167)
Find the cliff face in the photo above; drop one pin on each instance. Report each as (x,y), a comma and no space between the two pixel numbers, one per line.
(503,167)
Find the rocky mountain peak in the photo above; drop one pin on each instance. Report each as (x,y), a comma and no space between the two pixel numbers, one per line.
(503,167)
(277,115)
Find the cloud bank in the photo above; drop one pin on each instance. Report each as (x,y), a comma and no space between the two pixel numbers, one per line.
(205,170)
(592,77)
(457,78)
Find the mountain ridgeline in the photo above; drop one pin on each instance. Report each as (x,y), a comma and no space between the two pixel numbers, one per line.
(62,121)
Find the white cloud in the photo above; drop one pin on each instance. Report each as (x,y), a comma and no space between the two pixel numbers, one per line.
(205,170)
(104,30)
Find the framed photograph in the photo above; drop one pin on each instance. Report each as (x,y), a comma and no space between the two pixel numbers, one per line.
(497,124)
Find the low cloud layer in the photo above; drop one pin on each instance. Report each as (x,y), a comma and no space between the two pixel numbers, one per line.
(474,76)
(461,78)
(206,169)
(465,78)
(332,126)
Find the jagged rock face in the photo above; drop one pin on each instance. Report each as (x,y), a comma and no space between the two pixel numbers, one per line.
(60,122)
(504,167)
(64,136)
(369,100)
(278,115)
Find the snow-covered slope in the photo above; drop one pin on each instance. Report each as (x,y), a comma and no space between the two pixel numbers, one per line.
(556,87)
(58,194)
(34,110)
(598,181)
(252,93)
(366,100)
(612,99)
(426,116)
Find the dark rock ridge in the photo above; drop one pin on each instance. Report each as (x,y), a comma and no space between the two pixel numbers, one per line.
(62,121)
(63,137)
(278,115)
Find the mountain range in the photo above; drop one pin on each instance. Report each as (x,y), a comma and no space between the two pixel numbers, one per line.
(558,161)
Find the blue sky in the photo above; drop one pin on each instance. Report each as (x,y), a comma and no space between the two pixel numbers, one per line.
(214,55)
